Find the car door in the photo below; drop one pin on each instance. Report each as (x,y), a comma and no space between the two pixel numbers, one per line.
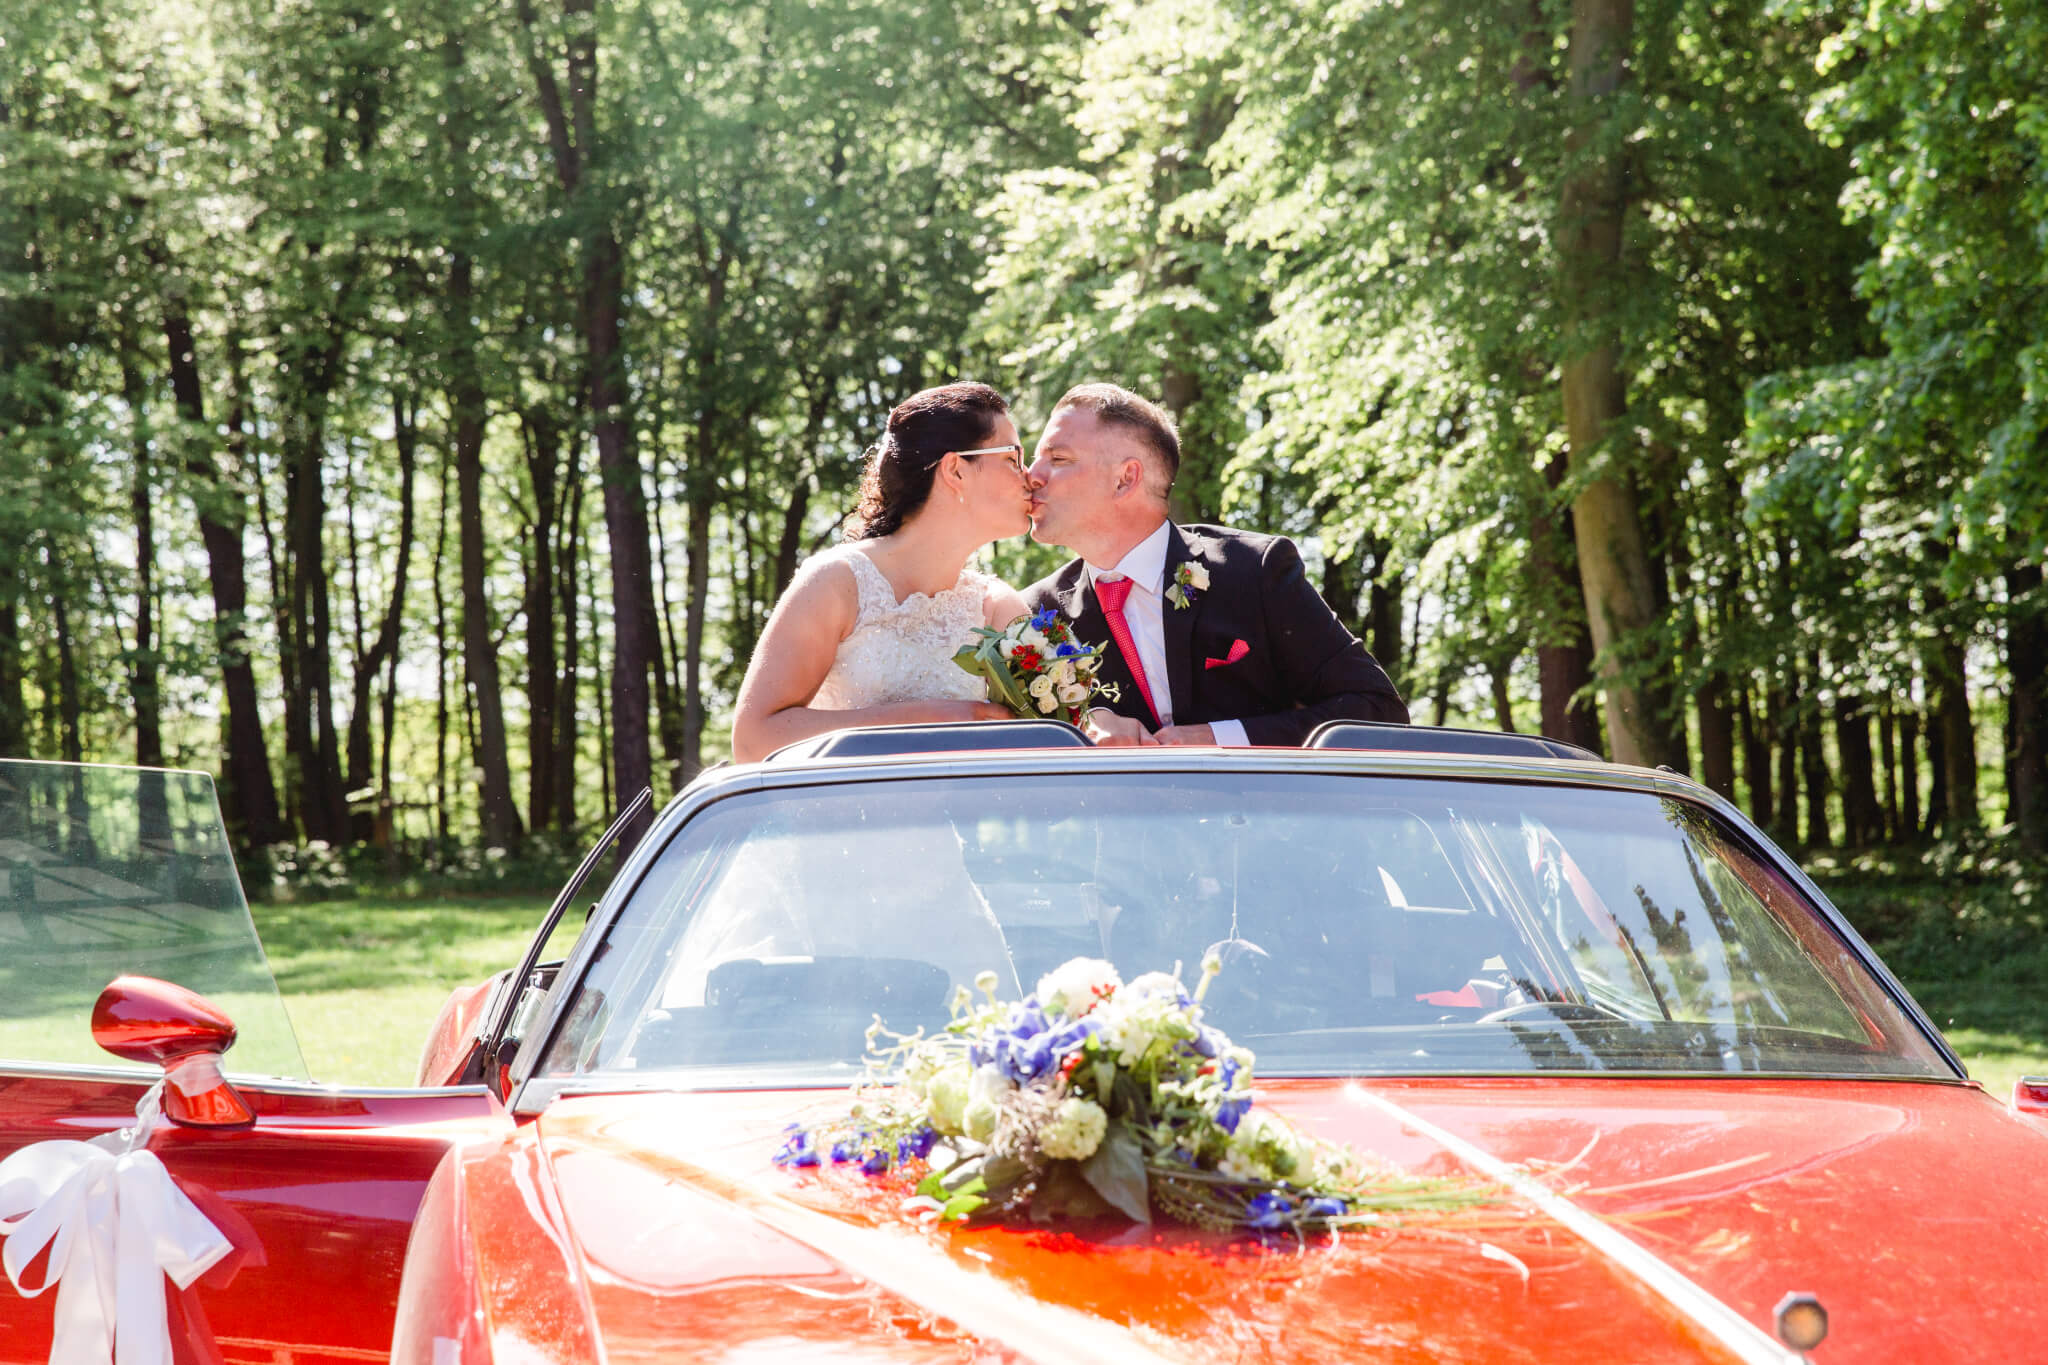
(109,871)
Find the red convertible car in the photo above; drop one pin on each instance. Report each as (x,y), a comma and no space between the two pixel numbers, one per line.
(1711,1122)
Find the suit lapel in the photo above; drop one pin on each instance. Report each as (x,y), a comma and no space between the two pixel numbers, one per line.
(1179,624)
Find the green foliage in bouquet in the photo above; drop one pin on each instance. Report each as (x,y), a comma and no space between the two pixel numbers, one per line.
(1035,668)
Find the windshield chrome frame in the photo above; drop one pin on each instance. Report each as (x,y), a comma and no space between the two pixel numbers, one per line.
(529,1094)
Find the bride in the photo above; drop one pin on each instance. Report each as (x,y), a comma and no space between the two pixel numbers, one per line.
(867,631)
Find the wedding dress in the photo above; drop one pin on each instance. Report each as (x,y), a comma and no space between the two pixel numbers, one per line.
(903,651)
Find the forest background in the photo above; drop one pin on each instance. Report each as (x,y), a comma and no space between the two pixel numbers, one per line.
(410,413)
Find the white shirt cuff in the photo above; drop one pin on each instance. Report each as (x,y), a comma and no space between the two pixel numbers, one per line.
(1229,734)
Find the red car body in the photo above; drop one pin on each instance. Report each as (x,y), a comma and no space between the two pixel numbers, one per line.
(1643,1218)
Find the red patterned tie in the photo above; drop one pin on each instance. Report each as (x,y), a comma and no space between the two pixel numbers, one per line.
(1112,593)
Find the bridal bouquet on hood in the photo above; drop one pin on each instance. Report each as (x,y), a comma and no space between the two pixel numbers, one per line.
(1096,1096)
(1035,668)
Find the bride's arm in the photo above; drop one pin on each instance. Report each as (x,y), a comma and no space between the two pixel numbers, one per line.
(1002,604)
(795,653)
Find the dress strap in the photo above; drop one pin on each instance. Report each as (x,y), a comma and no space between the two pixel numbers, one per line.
(876,595)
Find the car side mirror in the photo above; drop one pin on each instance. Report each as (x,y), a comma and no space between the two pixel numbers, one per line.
(142,1019)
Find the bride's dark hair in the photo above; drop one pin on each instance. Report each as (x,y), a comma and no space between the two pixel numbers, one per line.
(922,428)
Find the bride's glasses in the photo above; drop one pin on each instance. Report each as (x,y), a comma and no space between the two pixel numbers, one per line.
(1012,453)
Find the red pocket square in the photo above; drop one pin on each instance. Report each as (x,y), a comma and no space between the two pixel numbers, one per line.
(1238,649)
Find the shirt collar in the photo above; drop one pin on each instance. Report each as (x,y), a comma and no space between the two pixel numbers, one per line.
(1144,565)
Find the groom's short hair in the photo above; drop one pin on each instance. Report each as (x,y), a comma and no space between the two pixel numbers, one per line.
(1146,420)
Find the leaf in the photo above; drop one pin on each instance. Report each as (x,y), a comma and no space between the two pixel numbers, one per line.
(1066,1193)
(1117,1171)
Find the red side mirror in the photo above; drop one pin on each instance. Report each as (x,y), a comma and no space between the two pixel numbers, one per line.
(142,1019)
(2030,1095)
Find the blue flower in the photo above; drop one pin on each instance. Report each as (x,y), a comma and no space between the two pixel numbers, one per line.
(1209,1041)
(843,1151)
(1045,618)
(1269,1211)
(1327,1207)
(1064,650)
(1231,1111)
(877,1162)
(797,1150)
(917,1145)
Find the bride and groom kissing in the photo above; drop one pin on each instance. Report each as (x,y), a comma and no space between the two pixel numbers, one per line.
(1208,635)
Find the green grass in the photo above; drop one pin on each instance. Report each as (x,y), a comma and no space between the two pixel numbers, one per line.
(363,979)
(1967,931)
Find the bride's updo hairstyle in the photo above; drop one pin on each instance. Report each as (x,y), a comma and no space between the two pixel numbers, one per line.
(922,429)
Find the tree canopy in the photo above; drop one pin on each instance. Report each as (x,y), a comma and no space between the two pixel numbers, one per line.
(412,414)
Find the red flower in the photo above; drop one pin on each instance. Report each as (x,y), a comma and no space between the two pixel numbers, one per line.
(1026,660)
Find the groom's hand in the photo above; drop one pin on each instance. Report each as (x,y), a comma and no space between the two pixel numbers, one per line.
(1111,730)
(1187,734)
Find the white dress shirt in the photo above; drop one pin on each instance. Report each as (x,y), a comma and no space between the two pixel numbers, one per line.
(1145,566)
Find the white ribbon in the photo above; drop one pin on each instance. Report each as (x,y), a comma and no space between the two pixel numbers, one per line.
(115,1226)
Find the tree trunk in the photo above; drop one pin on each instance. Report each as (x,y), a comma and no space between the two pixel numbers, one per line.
(698,572)
(1717,735)
(543,455)
(1383,620)
(1564,649)
(1813,765)
(1909,775)
(441,663)
(384,649)
(2026,653)
(142,668)
(566,729)
(249,793)
(1785,728)
(1756,761)
(70,700)
(1959,811)
(1503,711)
(1862,817)
(571,140)
(320,792)
(1888,759)
(13,700)
(1614,560)
(498,814)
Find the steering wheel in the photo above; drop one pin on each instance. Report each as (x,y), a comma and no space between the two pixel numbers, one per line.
(1579,1011)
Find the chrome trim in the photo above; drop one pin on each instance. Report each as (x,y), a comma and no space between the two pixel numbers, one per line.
(714,785)
(144,1077)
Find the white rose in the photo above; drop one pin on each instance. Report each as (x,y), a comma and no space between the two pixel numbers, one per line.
(1008,647)
(1075,1131)
(1035,637)
(1063,672)
(1072,694)
(979,1122)
(945,1097)
(1197,576)
(1075,986)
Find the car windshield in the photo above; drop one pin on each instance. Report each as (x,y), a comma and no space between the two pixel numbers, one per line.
(1368,925)
(106,871)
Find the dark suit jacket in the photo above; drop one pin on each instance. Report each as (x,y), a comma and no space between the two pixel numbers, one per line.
(1301,666)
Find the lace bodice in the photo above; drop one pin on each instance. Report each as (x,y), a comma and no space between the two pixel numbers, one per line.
(903,651)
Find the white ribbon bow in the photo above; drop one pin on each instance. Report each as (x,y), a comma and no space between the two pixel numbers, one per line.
(115,1225)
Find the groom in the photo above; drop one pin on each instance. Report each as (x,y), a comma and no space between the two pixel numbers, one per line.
(1213,636)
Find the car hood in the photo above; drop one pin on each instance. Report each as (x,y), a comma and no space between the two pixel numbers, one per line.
(1642,1220)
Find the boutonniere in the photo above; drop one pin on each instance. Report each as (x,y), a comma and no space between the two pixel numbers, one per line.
(1189,578)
